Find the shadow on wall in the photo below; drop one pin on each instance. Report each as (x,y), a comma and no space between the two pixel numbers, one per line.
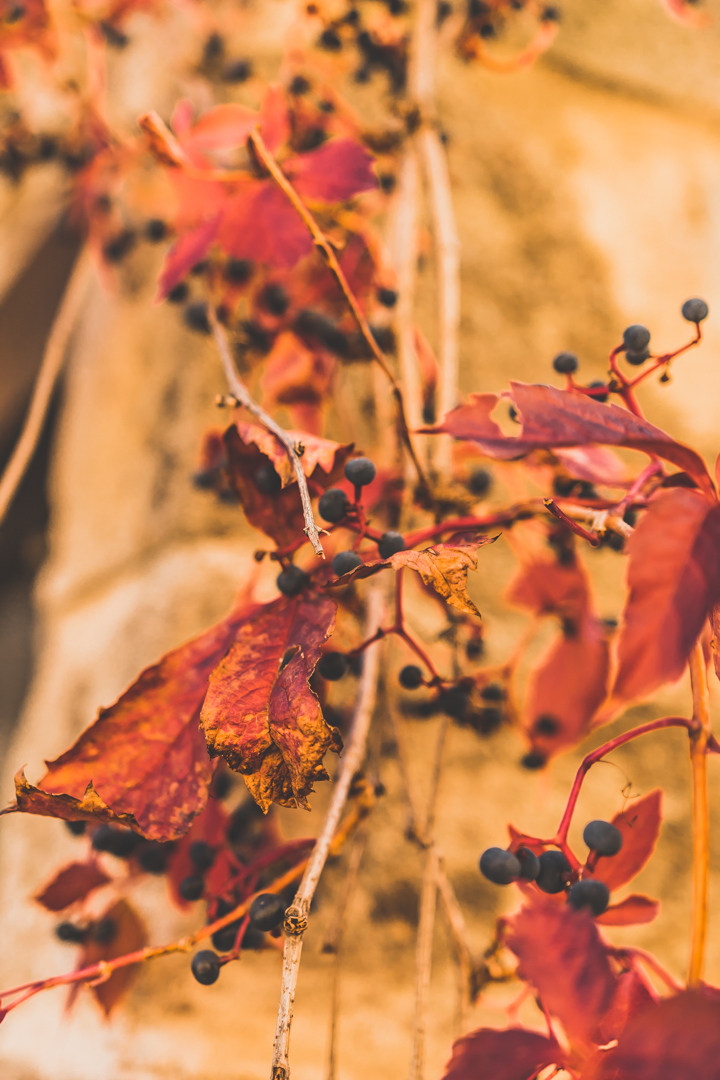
(26,316)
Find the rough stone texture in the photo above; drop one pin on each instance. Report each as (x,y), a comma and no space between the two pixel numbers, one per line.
(587,195)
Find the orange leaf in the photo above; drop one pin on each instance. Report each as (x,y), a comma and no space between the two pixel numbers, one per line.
(631,911)
(317,452)
(260,712)
(71,884)
(129,936)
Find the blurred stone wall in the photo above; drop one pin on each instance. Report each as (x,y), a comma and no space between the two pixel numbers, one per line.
(588,197)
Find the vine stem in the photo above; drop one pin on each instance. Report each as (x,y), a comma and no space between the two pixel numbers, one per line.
(699,736)
(323,245)
(296,917)
(50,368)
(294,449)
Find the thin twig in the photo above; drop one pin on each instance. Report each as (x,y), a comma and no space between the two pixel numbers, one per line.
(325,248)
(700,811)
(463,955)
(297,915)
(50,368)
(241,392)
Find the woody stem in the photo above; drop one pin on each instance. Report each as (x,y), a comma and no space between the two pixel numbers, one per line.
(699,736)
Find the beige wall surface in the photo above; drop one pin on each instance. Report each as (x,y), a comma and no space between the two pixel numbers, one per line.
(588,197)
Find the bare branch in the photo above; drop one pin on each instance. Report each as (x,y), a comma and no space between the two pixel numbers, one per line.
(241,392)
(297,915)
(325,248)
(52,362)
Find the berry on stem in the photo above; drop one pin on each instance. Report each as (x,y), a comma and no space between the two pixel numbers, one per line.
(637,358)
(292,580)
(205,967)
(267,480)
(603,837)
(479,482)
(202,854)
(345,561)
(636,338)
(591,894)
(118,842)
(153,856)
(500,866)
(267,911)
(565,363)
(554,869)
(224,940)
(493,692)
(191,887)
(70,933)
(360,471)
(333,505)
(410,677)
(533,760)
(390,543)
(695,310)
(529,863)
(77,828)
(332,666)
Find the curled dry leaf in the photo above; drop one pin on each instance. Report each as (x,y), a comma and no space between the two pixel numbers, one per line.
(512,1054)
(260,712)
(674,580)
(639,824)
(317,452)
(129,935)
(443,567)
(560,418)
(562,956)
(72,883)
(145,753)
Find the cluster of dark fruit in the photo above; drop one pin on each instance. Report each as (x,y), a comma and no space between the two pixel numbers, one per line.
(101,932)
(551,870)
(374,55)
(267,912)
(150,855)
(216,64)
(455,701)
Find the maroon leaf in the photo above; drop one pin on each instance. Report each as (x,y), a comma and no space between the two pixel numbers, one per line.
(336,171)
(190,249)
(677,1038)
(562,955)
(631,911)
(513,1054)
(129,936)
(630,998)
(639,824)
(715,642)
(547,587)
(260,712)
(260,223)
(558,418)
(674,580)
(71,884)
(145,755)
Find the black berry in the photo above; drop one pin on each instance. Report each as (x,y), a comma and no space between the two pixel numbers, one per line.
(474,648)
(195,316)
(191,887)
(153,856)
(119,246)
(479,482)
(118,842)
(484,721)
(245,823)
(70,933)
(267,911)
(237,71)
(554,869)
(345,561)
(330,40)
(299,86)
(202,854)
(292,580)
(266,480)
(224,940)
(565,363)
(529,864)
(104,931)
(500,866)
(591,894)
(603,837)
(410,676)
(179,294)
(360,471)
(454,702)
(637,358)
(155,230)
(493,692)
(598,385)
(213,48)
(205,967)
(332,666)
(388,182)
(275,299)
(546,725)
(533,760)
(695,310)
(387,297)
(636,338)
(333,505)
(77,828)
(238,271)
(390,543)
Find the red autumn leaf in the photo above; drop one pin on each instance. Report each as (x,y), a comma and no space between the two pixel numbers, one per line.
(191,248)
(512,1054)
(258,222)
(567,688)
(715,641)
(298,377)
(278,515)
(145,755)
(561,954)
(684,12)
(223,127)
(674,580)
(632,911)
(336,171)
(596,464)
(559,418)
(260,712)
(318,453)
(444,567)
(639,824)
(129,936)
(71,884)
(677,1038)
(274,118)
(630,998)
(547,587)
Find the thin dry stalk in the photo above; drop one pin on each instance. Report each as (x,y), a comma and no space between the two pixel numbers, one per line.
(50,368)
(701,811)
(463,955)
(297,916)
(241,392)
